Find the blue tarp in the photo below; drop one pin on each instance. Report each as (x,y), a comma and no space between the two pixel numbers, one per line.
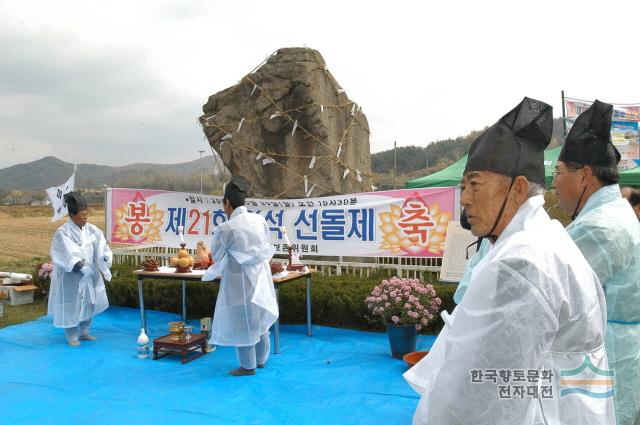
(335,377)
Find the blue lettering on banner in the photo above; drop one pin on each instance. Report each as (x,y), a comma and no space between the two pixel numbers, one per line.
(362,224)
(218,218)
(177,217)
(332,224)
(275,218)
(309,223)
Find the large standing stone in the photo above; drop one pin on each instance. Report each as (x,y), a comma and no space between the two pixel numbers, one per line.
(289,113)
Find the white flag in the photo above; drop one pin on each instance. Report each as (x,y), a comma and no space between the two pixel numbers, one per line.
(56,196)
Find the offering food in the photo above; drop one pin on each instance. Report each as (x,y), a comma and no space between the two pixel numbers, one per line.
(202,255)
(150,265)
(183,262)
(276,268)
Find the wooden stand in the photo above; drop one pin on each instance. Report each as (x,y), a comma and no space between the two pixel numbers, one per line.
(164,346)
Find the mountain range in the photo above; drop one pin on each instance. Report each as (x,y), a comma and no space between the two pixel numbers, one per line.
(51,171)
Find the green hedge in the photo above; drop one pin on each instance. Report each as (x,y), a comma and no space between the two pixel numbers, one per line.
(336,300)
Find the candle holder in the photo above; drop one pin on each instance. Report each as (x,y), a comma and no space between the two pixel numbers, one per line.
(293,267)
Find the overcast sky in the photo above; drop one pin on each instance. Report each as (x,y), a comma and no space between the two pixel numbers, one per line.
(118,82)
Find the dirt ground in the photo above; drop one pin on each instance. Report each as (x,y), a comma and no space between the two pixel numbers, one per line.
(26,232)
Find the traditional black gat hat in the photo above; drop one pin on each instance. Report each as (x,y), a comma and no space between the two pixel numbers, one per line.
(514,146)
(75,202)
(589,140)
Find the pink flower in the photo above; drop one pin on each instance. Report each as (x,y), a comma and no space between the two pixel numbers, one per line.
(387,305)
(398,299)
(425,321)
(395,319)
(418,327)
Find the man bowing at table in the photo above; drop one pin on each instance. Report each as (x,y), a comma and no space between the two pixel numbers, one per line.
(246,306)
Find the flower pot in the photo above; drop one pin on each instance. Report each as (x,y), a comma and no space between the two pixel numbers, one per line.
(402,339)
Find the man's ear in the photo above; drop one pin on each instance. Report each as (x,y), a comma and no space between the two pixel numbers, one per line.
(521,188)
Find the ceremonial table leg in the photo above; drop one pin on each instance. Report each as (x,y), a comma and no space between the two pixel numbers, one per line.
(184,301)
(276,337)
(308,305)
(143,316)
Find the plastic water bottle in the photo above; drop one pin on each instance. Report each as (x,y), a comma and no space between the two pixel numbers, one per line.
(143,345)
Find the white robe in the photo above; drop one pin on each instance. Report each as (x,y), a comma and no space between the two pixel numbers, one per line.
(75,298)
(246,306)
(533,303)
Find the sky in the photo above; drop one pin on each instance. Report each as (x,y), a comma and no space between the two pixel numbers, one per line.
(120,82)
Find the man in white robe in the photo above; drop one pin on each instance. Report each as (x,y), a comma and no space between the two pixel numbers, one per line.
(246,306)
(81,258)
(534,311)
(607,231)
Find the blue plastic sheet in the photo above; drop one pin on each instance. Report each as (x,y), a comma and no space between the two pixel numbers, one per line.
(336,376)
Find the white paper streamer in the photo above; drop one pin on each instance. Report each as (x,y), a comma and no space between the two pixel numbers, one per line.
(240,125)
(346,171)
(295,125)
(321,107)
(339,150)
(358,175)
(340,91)
(326,68)
(306,184)
(374,188)
(221,143)
(353,110)
(310,190)
(313,162)
(211,117)
(259,156)
(267,161)
(255,86)
(226,136)
(277,114)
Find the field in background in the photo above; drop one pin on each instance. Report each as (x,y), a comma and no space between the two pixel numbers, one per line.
(26,232)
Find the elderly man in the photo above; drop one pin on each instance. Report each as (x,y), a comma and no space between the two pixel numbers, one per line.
(246,306)
(534,308)
(608,233)
(81,257)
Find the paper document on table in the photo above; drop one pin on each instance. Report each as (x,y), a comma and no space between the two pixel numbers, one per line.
(455,259)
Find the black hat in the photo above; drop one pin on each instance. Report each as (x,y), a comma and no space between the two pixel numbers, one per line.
(236,191)
(589,140)
(514,146)
(237,184)
(75,202)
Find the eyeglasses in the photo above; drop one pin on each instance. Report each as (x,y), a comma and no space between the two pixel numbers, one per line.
(568,170)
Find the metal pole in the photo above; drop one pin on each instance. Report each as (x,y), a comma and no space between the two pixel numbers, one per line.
(201,153)
(395,157)
(564,118)
(426,151)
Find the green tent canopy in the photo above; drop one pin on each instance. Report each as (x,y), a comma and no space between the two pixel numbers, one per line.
(452,175)
(630,177)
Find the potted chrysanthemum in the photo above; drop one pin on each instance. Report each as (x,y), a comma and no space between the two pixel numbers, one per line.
(405,306)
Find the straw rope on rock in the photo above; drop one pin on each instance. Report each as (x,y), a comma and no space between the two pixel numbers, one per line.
(291,129)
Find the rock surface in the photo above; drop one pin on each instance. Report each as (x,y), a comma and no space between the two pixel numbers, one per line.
(289,119)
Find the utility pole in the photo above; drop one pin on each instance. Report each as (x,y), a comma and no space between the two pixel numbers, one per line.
(201,153)
(426,151)
(395,157)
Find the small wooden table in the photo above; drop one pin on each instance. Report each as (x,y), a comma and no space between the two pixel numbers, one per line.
(165,346)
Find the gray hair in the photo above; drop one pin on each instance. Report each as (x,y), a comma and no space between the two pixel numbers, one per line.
(535,189)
